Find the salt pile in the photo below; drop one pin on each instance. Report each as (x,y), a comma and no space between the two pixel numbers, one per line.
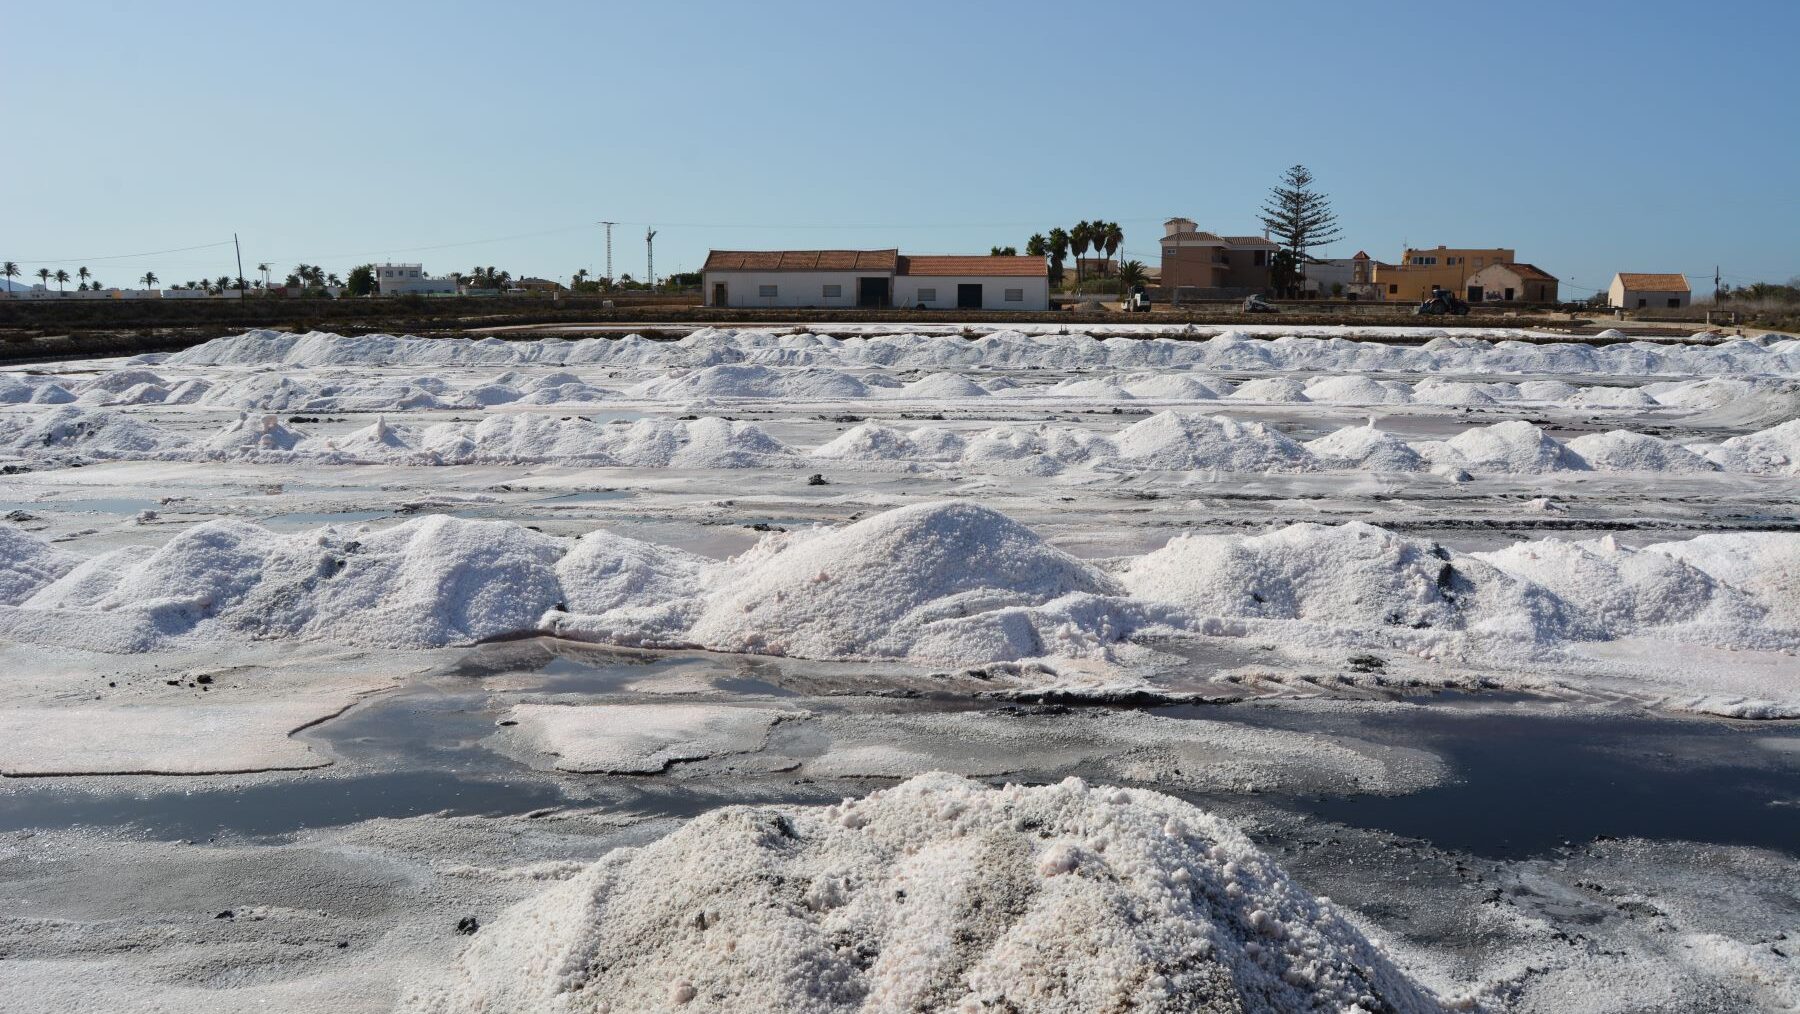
(937,894)
(1367,448)
(1354,575)
(1514,448)
(1360,391)
(1276,389)
(95,432)
(1177,441)
(27,564)
(1624,451)
(425,583)
(249,435)
(1774,451)
(946,580)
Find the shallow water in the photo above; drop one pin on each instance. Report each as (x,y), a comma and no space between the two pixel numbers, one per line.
(1526,783)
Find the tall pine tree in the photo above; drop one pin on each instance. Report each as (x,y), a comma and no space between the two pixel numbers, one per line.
(1299,217)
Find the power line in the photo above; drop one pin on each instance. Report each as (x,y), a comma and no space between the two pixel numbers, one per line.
(123,257)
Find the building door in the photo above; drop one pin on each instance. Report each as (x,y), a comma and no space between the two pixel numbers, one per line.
(719,295)
(872,293)
(1475,293)
(968,296)
(1509,295)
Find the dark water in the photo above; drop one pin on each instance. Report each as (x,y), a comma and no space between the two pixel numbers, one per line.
(1525,779)
(276,808)
(1528,784)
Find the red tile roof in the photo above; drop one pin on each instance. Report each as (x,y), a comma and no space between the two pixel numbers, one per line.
(802,260)
(991,267)
(1530,271)
(1262,241)
(1654,282)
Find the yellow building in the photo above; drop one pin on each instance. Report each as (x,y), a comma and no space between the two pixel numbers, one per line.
(1445,267)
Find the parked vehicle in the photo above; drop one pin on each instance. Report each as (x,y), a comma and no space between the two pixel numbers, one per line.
(1135,301)
(1441,302)
(1257,304)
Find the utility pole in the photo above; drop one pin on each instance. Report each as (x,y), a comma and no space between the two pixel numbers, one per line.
(240,259)
(609,274)
(650,255)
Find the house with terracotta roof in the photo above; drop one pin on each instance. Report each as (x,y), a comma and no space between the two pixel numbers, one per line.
(1633,291)
(1421,270)
(1509,282)
(1207,265)
(873,279)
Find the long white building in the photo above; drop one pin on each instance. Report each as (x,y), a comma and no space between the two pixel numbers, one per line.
(401,279)
(873,279)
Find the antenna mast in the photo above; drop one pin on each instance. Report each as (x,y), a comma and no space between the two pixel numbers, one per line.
(650,255)
(609,226)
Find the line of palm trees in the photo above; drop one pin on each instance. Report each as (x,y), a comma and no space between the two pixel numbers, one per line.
(1100,236)
(10,270)
(149,280)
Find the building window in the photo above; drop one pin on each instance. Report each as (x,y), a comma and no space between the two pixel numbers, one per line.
(1393,290)
(1450,262)
(927,295)
(765,291)
(1643,303)
(834,291)
(1259,258)
(1675,304)
(1015,295)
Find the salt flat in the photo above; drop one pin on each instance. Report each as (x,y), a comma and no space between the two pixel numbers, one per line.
(784,569)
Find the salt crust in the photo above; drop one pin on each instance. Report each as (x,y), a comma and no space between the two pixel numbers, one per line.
(936,894)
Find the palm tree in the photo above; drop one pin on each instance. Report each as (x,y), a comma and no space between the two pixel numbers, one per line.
(149,279)
(83,273)
(1080,238)
(1057,244)
(1114,238)
(264,269)
(1037,246)
(44,277)
(1131,275)
(579,277)
(333,280)
(62,279)
(11,271)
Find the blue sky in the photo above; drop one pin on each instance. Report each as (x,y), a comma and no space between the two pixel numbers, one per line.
(1590,136)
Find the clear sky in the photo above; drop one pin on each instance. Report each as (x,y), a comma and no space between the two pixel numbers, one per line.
(1591,135)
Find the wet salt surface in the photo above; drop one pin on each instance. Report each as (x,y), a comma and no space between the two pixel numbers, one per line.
(1526,778)
(1527,783)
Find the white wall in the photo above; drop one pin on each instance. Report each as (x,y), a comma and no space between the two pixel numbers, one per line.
(792,288)
(993,291)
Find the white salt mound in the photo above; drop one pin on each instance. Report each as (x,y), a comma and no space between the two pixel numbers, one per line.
(1625,451)
(1179,441)
(949,580)
(938,894)
(1515,447)
(1278,389)
(28,564)
(1368,448)
(1774,451)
